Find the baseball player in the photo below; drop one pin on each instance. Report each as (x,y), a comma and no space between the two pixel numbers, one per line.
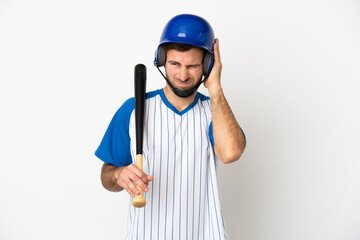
(185,133)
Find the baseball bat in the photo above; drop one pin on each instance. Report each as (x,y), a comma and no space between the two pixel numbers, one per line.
(140,89)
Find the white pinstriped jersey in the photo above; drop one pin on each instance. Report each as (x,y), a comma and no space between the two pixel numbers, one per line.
(183,199)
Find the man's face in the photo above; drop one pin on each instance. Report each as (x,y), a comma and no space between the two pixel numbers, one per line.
(184,69)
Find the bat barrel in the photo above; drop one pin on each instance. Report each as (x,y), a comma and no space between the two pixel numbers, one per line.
(140,88)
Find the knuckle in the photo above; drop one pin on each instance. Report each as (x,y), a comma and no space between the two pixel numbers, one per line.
(131,186)
(134,177)
(124,172)
(142,175)
(141,185)
(131,166)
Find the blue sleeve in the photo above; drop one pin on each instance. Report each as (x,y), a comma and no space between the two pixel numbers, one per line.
(211,135)
(114,148)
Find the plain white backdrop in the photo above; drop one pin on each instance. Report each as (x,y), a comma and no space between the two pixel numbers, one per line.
(291,73)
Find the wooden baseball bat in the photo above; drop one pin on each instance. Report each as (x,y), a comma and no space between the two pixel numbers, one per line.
(140,90)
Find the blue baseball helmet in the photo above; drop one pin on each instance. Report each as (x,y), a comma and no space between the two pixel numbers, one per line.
(188,29)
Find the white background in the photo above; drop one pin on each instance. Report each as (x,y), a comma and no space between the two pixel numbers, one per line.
(291,75)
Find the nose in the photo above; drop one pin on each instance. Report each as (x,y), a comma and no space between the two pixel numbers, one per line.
(183,74)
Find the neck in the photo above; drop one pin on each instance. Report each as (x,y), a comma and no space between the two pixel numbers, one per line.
(178,102)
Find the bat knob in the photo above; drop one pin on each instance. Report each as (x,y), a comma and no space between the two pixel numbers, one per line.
(139,201)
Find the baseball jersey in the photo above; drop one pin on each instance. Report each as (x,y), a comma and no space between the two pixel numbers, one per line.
(178,151)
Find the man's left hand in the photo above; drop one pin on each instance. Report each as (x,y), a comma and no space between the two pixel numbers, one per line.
(213,81)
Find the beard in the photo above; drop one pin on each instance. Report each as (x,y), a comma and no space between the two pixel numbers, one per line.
(184,85)
(184,89)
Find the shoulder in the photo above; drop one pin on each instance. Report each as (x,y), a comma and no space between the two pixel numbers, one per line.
(202,97)
(129,105)
(124,112)
(204,101)
(153,94)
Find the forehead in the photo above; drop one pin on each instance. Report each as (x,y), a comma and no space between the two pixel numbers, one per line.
(192,56)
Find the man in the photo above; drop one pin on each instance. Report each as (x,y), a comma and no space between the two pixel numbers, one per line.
(184,130)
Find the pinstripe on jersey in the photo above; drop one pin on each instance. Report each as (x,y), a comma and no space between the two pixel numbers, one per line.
(183,199)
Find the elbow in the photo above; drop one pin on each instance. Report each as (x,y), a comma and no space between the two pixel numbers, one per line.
(231,157)
(231,154)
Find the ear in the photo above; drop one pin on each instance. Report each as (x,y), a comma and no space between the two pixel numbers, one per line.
(161,56)
(207,63)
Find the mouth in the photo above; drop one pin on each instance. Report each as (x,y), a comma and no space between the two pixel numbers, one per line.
(184,85)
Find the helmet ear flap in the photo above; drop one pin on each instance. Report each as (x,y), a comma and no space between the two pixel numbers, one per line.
(161,56)
(208,63)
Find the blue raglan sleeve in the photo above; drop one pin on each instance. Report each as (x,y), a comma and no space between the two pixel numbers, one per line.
(211,135)
(114,148)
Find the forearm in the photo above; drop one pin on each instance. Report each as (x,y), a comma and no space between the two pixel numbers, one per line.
(109,179)
(229,141)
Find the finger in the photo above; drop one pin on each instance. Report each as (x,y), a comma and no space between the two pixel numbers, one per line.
(129,187)
(217,51)
(125,180)
(138,177)
(139,173)
(139,182)
(130,175)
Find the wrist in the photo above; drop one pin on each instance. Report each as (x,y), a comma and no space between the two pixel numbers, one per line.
(118,172)
(116,176)
(215,91)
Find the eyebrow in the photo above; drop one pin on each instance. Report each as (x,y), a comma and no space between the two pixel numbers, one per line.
(191,65)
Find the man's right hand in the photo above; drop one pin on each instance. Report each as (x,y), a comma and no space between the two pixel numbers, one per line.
(116,179)
(127,176)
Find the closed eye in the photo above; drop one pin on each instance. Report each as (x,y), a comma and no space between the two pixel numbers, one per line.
(173,63)
(194,66)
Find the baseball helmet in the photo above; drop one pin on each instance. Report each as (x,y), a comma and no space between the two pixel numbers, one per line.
(188,29)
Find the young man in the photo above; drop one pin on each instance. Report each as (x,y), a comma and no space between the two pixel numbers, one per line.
(184,133)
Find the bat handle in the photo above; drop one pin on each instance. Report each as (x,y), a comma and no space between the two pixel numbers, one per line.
(139,200)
